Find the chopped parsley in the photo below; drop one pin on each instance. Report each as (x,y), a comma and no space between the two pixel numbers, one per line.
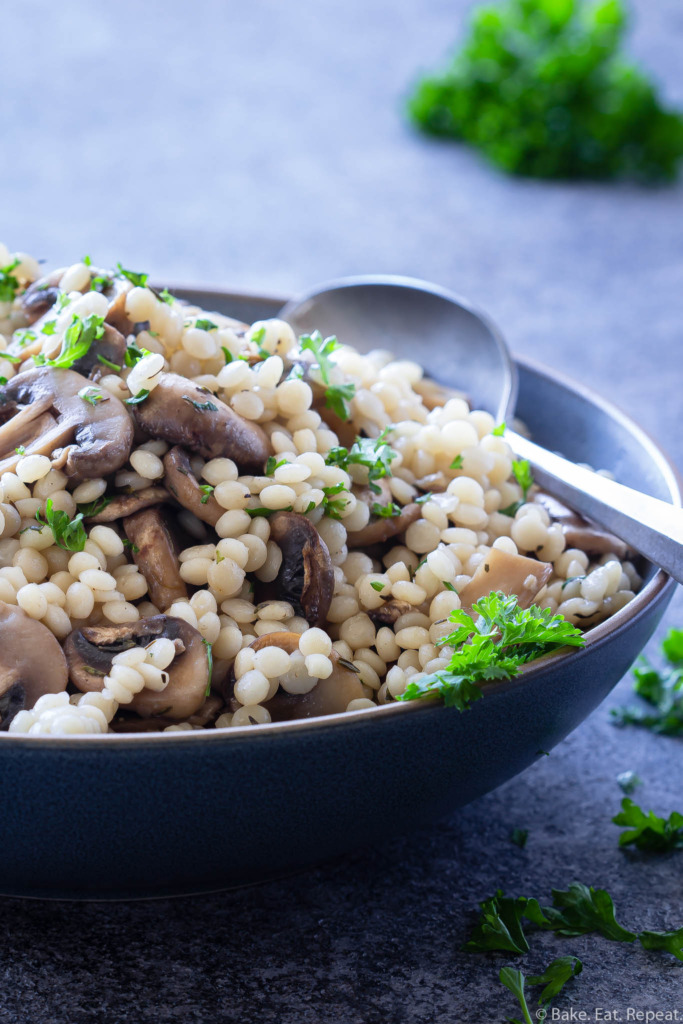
(201,406)
(207,490)
(101,283)
(9,357)
(375,454)
(108,362)
(523,476)
(499,430)
(519,836)
(376,585)
(628,782)
(649,831)
(131,547)
(332,505)
(424,498)
(457,462)
(662,691)
(494,647)
(272,464)
(134,354)
(93,508)
(20,450)
(257,339)
(48,327)
(322,349)
(206,325)
(9,285)
(23,336)
(76,342)
(69,533)
(337,398)
(388,511)
(260,511)
(139,280)
(92,395)
(3,381)
(136,399)
(166,296)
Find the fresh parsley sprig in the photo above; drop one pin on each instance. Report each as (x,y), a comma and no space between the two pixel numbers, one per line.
(492,648)
(9,284)
(649,831)
(139,280)
(554,978)
(77,340)
(338,397)
(69,533)
(376,454)
(662,691)
(322,349)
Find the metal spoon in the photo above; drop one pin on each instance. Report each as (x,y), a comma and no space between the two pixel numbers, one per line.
(422,322)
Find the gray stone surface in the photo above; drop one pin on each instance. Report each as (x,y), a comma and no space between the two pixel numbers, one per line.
(262,146)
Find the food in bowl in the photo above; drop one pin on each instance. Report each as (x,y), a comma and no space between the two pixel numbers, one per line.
(209,524)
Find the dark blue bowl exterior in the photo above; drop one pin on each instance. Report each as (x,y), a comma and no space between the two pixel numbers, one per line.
(140,817)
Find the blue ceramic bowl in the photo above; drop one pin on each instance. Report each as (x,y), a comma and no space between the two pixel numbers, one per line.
(124,816)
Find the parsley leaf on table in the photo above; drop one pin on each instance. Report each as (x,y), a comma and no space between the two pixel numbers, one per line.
(493,647)
(670,942)
(649,831)
(662,691)
(555,977)
(542,89)
(582,909)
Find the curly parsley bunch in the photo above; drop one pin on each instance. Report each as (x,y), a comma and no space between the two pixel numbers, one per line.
(541,88)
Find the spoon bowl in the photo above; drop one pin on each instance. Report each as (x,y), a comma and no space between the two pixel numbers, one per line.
(460,348)
(415,320)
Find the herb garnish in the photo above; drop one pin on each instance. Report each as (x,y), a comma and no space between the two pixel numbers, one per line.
(69,533)
(92,395)
(322,349)
(139,280)
(261,511)
(337,398)
(207,490)
(554,978)
(10,358)
(136,399)
(519,836)
(272,464)
(388,511)
(376,585)
(662,691)
(596,116)
(376,454)
(76,342)
(48,327)
(628,782)
(9,284)
(649,831)
(201,406)
(493,647)
(20,449)
(206,325)
(93,508)
(499,430)
(134,354)
(24,335)
(457,462)
(108,362)
(334,506)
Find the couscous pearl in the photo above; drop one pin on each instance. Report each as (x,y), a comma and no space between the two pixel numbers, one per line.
(318,666)
(315,641)
(252,688)
(32,468)
(147,465)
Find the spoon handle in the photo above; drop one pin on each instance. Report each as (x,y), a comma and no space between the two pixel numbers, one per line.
(650,526)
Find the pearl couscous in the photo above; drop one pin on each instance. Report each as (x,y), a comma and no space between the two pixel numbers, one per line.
(210,524)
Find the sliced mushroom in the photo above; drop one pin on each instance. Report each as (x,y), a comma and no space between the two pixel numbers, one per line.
(41,296)
(181,412)
(389,613)
(85,441)
(111,346)
(155,556)
(31,662)
(90,651)
(306,576)
(126,504)
(579,532)
(186,489)
(327,697)
(511,574)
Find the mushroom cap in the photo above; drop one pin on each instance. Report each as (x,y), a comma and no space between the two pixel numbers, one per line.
(91,649)
(32,662)
(185,488)
(183,413)
(306,575)
(380,529)
(155,556)
(328,697)
(85,440)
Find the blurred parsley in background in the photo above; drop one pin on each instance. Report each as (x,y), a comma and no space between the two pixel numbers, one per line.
(541,88)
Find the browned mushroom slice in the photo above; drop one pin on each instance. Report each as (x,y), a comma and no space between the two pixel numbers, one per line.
(111,346)
(184,486)
(85,441)
(181,412)
(327,697)
(511,574)
(389,613)
(31,662)
(579,532)
(126,504)
(155,556)
(207,714)
(91,650)
(306,576)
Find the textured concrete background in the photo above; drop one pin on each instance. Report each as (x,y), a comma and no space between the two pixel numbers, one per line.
(262,146)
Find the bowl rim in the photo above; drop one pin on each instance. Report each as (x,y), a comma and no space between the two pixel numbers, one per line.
(596,637)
